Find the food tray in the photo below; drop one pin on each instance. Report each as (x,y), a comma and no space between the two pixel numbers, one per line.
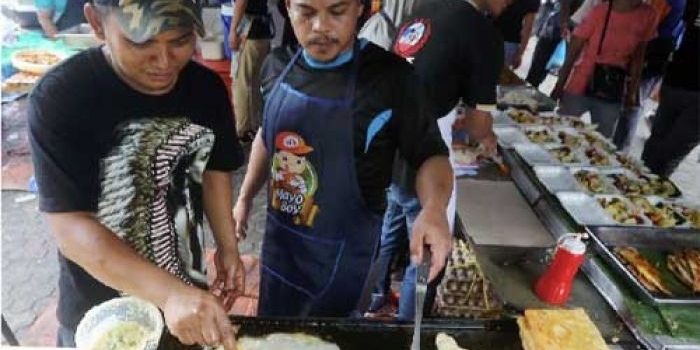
(534,154)
(580,158)
(362,334)
(556,178)
(532,99)
(675,192)
(597,139)
(584,209)
(654,202)
(608,187)
(682,294)
(631,208)
(612,161)
(570,131)
(509,135)
(631,163)
(689,211)
(540,128)
(501,118)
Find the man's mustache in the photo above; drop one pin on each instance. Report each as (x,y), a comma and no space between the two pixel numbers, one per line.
(322,40)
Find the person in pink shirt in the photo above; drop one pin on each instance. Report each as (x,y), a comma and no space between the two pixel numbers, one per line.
(630,27)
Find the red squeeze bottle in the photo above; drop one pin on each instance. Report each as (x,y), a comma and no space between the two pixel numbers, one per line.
(554,286)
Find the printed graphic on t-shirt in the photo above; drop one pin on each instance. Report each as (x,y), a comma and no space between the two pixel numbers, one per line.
(151,192)
(412,37)
(294,179)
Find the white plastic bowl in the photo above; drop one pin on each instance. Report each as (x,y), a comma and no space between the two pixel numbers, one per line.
(25,66)
(104,317)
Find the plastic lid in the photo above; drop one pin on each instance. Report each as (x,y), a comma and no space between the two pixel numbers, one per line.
(226,9)
(573,244)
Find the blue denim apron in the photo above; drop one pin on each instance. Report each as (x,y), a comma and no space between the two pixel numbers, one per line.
(320,236)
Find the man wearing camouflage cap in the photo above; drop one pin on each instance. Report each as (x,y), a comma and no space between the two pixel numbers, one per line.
(133,143)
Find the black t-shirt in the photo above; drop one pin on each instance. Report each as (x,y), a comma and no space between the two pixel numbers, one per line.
(385,82)
(684,71)
(260,28)
(510,22)
(83,118)
(455,50)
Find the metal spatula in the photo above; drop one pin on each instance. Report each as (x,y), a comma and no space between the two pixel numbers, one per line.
(422,273)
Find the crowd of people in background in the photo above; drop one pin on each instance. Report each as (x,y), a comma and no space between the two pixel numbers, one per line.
(326,107)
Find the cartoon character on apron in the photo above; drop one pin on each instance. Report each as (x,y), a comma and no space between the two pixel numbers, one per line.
(320,236)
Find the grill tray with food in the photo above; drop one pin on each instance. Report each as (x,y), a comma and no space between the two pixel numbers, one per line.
(362,334)
(657,276)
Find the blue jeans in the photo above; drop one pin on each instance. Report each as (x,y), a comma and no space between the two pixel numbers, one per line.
(65,338)
(627,125)
(510,50)
(402,209)
(603,113)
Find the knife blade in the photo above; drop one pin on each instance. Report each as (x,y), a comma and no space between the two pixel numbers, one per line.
(422,273)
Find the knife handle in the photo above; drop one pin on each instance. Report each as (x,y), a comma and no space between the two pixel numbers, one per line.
(423,269)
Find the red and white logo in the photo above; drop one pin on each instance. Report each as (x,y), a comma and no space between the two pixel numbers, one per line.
(412,37)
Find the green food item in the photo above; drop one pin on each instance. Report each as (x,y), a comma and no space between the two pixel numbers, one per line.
(123,336)
(677,321)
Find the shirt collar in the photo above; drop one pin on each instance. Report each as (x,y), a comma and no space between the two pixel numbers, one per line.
(342,59)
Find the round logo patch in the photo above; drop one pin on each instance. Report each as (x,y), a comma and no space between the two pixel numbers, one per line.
(412,37)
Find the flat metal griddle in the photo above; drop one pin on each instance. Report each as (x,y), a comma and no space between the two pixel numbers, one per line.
(362,334)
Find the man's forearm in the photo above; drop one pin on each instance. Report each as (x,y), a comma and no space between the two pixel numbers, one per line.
(434,183)
(525,32)
(217,197)
(635,70)
(82,239)
(479,124)
(45,18)
(572,53)
(257,171)
(238,11)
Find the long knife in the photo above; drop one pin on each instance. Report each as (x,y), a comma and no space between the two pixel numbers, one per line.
(422,273)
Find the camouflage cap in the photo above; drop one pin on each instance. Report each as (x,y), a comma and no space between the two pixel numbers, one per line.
(143,19)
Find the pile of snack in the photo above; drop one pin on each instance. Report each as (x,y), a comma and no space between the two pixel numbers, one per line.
(525,117)
(565,155)
(540,136)
(464,291)
(36,61)
(19,82)
(620,210)
(591,181)
(662,214)
(683,264)
(559,329)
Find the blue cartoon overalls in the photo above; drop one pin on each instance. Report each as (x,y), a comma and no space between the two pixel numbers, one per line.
(320,236)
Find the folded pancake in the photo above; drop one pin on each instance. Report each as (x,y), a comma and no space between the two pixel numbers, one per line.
(559,329)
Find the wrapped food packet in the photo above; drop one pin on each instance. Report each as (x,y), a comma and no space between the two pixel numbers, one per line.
(465,291)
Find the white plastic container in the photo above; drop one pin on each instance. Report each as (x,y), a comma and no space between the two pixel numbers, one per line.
(212,49)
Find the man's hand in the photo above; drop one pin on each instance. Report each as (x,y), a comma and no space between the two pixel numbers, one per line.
(431,228)
(230,277)
(241,212)
(565,32)
(631,101)
(196,316)
(489,143)
(234,41)
(517,61)
(558,90)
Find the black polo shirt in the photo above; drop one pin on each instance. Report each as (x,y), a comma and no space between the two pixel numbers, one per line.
(385,84)
(455,50)
(510,22)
